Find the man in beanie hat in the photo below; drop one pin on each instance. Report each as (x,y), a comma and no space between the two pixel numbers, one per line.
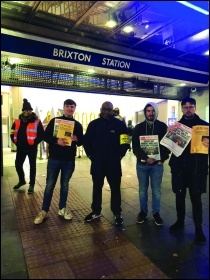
(26,133)
(61,159)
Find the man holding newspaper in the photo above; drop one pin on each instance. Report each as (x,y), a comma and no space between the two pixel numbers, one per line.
(63,134)
(189,167)
(150,158)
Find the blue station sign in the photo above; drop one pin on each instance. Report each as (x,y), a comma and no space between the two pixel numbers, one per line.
(34,46)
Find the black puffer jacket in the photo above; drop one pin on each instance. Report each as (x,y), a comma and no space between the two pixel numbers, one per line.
(196,165)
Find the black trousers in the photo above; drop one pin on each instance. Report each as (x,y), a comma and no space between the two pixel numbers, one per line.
(19,161)
(114,183)
(196,207)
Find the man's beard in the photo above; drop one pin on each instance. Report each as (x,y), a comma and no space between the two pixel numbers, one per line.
(189,117)
(150,119)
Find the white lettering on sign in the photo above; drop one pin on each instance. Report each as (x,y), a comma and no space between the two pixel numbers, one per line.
(71,55)
(171,121)
(116,63)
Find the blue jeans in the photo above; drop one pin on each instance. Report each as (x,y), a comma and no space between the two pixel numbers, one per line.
(53,169)
(154,174)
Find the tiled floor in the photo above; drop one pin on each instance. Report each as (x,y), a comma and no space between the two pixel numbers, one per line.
(60,249)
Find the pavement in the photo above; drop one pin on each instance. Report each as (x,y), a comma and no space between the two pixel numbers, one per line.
(61,249)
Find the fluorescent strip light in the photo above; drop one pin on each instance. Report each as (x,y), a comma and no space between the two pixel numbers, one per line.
(196,8)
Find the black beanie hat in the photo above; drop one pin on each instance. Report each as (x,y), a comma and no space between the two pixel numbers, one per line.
(26,105)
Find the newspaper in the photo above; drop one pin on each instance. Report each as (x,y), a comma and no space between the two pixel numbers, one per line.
(150,145)
(199,133)
(64,129)
(178,139)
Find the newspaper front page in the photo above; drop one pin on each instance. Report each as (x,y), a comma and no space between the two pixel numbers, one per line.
(199,133)
(178,139)
(150,145)
(63,129)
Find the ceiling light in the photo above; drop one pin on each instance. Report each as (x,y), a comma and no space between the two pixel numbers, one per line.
(91,71)
(110,4)
(111,23)
(201,35)
(113,20)
(128,29)
(14,60)
(194,7)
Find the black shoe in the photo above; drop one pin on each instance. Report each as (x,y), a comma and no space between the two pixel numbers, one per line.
(157,219)
(91,217)
(200,237)
(31,189)
(177,226)
(118,220)
(20,184)
(142,216)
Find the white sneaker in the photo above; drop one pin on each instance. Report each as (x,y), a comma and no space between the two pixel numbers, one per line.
(65,214)
(40,217)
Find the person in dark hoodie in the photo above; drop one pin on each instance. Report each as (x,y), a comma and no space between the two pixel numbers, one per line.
(26,133)
(150,159)
(61,159)
(106,143)
(189,171)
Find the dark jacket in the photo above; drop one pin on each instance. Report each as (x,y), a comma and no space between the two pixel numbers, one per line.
(102,145)
(143,128)
(195,165)
(58,152)
(130,128)
(22,142)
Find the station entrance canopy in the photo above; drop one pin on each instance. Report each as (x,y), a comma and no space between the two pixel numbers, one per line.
(59,65)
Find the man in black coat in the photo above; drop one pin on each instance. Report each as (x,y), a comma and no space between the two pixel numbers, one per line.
(106,143)
(189,171)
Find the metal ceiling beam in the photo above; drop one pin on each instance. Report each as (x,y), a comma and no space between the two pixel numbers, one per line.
(35,7)
(84,16)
